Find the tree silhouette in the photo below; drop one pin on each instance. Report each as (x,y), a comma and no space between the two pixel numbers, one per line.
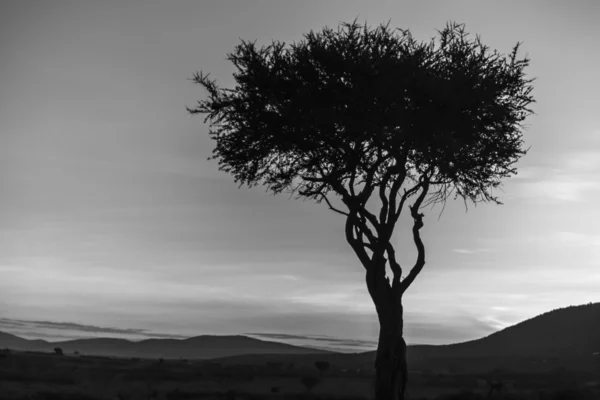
(363,114)
(322,366)
(495,386)
(58,351)
(309,382)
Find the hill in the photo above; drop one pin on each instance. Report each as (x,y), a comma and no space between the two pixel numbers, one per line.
(566,336)
(11,341)
(570,331)
(200,347)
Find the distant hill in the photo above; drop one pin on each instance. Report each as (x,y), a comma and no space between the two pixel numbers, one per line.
(567,333)
(11,341)
(572,332)
(200,347)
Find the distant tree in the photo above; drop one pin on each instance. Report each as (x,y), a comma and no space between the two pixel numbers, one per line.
(58,351)
(76,353)
(309,382)
(495,385)
(363,116)
(322,366)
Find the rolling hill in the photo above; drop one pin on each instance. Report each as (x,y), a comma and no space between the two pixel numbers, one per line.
(572,332)
(200,347)
(567,336)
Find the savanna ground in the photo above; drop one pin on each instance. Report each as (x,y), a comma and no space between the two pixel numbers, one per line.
(29,375)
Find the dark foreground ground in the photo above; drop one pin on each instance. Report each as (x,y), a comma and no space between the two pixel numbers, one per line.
(39,376)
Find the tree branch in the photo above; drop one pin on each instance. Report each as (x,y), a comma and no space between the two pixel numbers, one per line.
(405,196)
(383,213)
(333,208)
(370,217)
(392,218)
(364,228)
(418,224)
(355,243)
(394,266)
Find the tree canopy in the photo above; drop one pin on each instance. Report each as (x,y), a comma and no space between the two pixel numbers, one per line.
(360,110)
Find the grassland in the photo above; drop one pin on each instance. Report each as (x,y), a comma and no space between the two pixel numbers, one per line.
(44,376)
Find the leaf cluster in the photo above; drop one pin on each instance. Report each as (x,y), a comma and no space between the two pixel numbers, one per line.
(362,107)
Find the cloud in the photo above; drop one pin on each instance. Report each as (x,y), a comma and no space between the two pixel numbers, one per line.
(501,308)
(573,177)
(467,251)
(76,330)
(320,338)
(350,297)
(463,251)
(440,330)
(563,187)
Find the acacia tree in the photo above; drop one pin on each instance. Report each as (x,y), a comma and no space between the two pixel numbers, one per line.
(356,113)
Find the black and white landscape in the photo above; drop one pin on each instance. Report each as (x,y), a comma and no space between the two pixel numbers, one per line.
(321,199)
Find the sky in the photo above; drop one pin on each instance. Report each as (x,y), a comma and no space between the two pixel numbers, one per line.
(114,223)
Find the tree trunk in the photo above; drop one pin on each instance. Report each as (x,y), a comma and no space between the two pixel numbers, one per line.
(390,364)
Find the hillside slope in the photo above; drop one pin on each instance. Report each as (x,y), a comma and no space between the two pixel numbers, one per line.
(561,338)
(570,331)
(200,347)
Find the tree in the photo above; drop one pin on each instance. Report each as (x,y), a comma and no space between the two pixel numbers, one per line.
(494,385)
(58,351)
(309,382)
(322,366)
(363,114)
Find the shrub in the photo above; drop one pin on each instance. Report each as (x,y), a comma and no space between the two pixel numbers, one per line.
(310,382)
(322,366)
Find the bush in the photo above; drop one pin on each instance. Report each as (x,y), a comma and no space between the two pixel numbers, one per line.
(322,366)
(309,382)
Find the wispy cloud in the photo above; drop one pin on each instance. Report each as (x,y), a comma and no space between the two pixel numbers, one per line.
(469,251)
(463,251)
(501,308)
(42,328)
(574,176)
(328,340)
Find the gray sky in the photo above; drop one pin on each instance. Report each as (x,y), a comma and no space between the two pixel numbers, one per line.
(111,216)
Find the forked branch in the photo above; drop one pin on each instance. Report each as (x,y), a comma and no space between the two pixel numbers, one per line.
(417,225)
